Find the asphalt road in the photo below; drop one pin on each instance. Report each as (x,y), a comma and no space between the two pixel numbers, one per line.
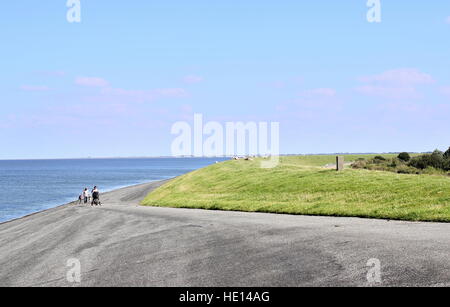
(123,244)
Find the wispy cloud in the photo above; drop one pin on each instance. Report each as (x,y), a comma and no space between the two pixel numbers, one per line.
(91,82)
(34,88)
(323,92)
(405,92)
(193,79)
(120,95)
(315,103)
(448,20)
(395,84)
(404,76)
(141,96)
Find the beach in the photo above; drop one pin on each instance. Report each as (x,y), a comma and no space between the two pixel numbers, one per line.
(125,244)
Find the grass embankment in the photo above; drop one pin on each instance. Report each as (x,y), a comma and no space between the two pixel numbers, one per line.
(300,185)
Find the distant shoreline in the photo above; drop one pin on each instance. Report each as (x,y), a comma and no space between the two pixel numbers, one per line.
(110,158)
(66,178)
(192,157)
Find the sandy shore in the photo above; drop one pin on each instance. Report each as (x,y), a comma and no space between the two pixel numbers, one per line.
(124,244)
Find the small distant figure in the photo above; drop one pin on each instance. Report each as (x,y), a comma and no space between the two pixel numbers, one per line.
(80,199)
(96,197)
(86,195)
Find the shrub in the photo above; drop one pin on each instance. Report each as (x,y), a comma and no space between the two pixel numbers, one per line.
(359,164)
(436,163)
(434,160)
(404,156)
(396,162)
(438,153)
(380,158)
(437,159)
(446,165)
(447,154)
(420,162)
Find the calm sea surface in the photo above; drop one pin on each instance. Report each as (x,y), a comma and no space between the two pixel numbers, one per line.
(29,186)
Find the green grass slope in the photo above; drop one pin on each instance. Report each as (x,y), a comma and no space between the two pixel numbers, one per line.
(300,185)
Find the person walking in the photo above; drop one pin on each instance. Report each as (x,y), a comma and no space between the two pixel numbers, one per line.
(96,197)
(86,195)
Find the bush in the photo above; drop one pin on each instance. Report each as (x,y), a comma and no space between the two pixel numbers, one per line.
(380,158)
(437,159)
(446,165)
(396,162)
(360,163)
(436,163)
(438,153)
(434,160)
(447,154)
(404,156)
(420,162)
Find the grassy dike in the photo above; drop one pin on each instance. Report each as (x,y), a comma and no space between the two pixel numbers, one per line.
(300,185)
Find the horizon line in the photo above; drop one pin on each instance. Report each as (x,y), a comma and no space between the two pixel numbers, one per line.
(202,157)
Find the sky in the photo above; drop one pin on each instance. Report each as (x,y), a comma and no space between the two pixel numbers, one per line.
(114,84)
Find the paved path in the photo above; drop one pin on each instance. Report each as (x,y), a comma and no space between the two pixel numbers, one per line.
(122,244)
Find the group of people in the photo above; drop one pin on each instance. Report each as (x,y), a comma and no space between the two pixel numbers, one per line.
(93,197)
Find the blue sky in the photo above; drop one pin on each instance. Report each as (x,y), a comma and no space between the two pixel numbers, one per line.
(114,84)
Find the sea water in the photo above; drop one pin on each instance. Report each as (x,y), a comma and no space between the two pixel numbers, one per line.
(29,186)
